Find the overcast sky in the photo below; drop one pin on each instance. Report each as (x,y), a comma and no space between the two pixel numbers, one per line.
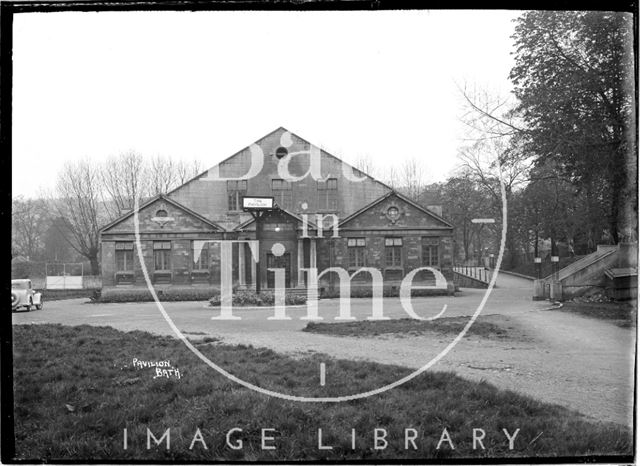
(203,85)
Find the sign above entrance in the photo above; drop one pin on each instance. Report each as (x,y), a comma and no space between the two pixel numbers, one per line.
(256,203)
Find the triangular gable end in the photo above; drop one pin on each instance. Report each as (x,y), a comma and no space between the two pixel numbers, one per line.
(282,130)
(395,199)
(149,220)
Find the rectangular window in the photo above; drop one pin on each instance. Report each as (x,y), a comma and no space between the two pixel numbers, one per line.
(124,257)
(357,252)
(202,262)
(328,194)
(430,256)
(236,189)
(162,255)
(281,190)
(393,252)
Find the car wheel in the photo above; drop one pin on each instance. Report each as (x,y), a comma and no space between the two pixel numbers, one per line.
(30,305)
(14,301)
(39,306)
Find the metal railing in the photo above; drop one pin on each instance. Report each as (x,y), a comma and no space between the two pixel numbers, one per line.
(478,273)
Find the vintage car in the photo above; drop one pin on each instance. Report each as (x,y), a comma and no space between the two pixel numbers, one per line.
(23,295)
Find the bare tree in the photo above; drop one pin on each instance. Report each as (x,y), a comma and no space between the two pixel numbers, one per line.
(162,175)
(411,179)
(165,174)
(123,179)
(493,148)
(493,153)
(28,217)
(185,171)
(391,177)
(77,199)
(365,164)
(488,115)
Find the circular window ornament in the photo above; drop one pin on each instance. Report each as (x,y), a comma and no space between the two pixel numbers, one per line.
(393,214)
(281,152)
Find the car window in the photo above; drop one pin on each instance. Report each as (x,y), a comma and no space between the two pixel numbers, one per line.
(20,285)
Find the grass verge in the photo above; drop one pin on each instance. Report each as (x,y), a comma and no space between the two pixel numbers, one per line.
(621,314)
(77,388)
(489,326)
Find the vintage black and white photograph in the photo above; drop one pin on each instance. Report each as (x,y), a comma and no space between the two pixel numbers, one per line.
(306,233)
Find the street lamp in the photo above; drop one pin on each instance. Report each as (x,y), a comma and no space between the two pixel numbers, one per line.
(555,260)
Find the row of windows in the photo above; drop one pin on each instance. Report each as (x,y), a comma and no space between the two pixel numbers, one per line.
(161,256)
(282,193)
(356,248)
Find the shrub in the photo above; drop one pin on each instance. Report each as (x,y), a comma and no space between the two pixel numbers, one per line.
(55,295)
(387,291)
(265,298)
(129,295)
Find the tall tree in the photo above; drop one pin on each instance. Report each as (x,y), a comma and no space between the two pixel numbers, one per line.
(57,248)
(123,179)
(464,200)
(28,217)
(77,200)
(573,76)
(411,179)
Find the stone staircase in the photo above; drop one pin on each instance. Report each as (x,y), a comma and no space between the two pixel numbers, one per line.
(585,274)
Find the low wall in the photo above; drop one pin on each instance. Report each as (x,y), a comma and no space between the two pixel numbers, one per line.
(465,281)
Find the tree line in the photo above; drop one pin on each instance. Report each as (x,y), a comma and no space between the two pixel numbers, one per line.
(563,143)
(63,224)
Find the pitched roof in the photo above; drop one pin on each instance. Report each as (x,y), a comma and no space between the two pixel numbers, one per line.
(169,201)
(280,128)
(401,197)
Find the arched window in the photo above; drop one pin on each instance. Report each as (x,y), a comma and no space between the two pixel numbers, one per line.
(161,213)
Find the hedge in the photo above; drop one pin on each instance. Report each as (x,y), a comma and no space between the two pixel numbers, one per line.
(129,295)
(265,298)
(388,292)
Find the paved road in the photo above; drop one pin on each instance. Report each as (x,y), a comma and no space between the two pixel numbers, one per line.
(581,363)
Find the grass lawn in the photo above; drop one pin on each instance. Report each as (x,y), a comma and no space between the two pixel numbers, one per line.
(620,314)
(489,326)
(76,389)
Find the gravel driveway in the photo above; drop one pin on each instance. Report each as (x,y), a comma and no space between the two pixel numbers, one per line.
(581,363)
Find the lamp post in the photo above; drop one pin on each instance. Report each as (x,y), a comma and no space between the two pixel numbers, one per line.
(555,260)
(538,262)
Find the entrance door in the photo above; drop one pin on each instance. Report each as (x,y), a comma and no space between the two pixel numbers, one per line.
(278,262)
